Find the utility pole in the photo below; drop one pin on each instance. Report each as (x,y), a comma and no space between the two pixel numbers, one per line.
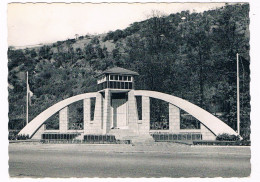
(27,97)
(238,101)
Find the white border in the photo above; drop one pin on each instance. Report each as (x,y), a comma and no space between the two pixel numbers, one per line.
(254,86)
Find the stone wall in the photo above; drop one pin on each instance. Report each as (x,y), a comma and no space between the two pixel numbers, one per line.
(206,133)
(93,126)
(38,134)
(144,124)
(132,112)
(87,114)
(174,119)
(63,119)
(106,112)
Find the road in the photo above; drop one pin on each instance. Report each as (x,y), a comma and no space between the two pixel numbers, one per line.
(79,160)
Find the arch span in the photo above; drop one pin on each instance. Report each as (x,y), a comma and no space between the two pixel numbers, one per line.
(37,122)
(211,122)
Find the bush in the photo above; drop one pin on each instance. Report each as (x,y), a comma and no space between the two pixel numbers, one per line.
(22,137)
(12,135)
(227,137)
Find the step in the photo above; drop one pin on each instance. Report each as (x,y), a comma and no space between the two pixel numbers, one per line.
(136,139)
(141,140)
(80,137)
(120,134)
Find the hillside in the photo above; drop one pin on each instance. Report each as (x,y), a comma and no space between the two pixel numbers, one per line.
(192,58)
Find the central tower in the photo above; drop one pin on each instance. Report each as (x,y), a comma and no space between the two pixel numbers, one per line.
(114,85)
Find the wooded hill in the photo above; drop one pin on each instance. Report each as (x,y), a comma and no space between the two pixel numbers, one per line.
(193,58)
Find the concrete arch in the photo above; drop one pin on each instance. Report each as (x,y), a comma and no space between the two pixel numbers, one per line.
(36,123)
(211,122)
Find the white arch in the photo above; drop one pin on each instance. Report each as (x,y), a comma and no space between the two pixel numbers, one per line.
(211,122)
(36,123)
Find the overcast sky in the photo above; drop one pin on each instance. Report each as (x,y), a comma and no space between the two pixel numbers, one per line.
(30,24)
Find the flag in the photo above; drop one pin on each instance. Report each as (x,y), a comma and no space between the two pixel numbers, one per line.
(245,64)
(29,92)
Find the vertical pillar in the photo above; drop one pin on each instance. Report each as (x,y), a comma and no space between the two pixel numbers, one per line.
(132,118)
(174,118)
(63,118)
(86,112)
(98,113)
(93,126)
(145,115)
(107,112)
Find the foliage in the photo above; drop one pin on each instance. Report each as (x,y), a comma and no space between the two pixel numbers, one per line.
(22,137)
(227,137)
(159,117)
(13,135)
(119,34)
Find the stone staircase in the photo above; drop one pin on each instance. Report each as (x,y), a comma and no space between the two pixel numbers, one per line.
(142,140)
(136,139)
(120,134)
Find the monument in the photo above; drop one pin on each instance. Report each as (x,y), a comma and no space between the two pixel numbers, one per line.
(115,112)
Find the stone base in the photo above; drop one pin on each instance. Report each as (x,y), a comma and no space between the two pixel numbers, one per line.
(121,134)
(136,139)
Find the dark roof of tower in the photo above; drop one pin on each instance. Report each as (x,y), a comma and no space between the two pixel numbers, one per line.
(119,70)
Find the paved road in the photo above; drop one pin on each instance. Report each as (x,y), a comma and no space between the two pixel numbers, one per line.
(71,160)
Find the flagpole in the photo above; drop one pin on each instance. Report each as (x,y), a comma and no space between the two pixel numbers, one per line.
(27,97)
(238,101)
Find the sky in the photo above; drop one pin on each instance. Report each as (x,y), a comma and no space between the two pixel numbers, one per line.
(35,23)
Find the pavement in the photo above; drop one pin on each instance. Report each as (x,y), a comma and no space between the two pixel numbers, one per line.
(37,160)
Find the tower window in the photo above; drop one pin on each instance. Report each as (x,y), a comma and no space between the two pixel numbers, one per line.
(114,84)
(129,78)
(116,77)
(126,85)
(122,85)
(120,77)
(130,85)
